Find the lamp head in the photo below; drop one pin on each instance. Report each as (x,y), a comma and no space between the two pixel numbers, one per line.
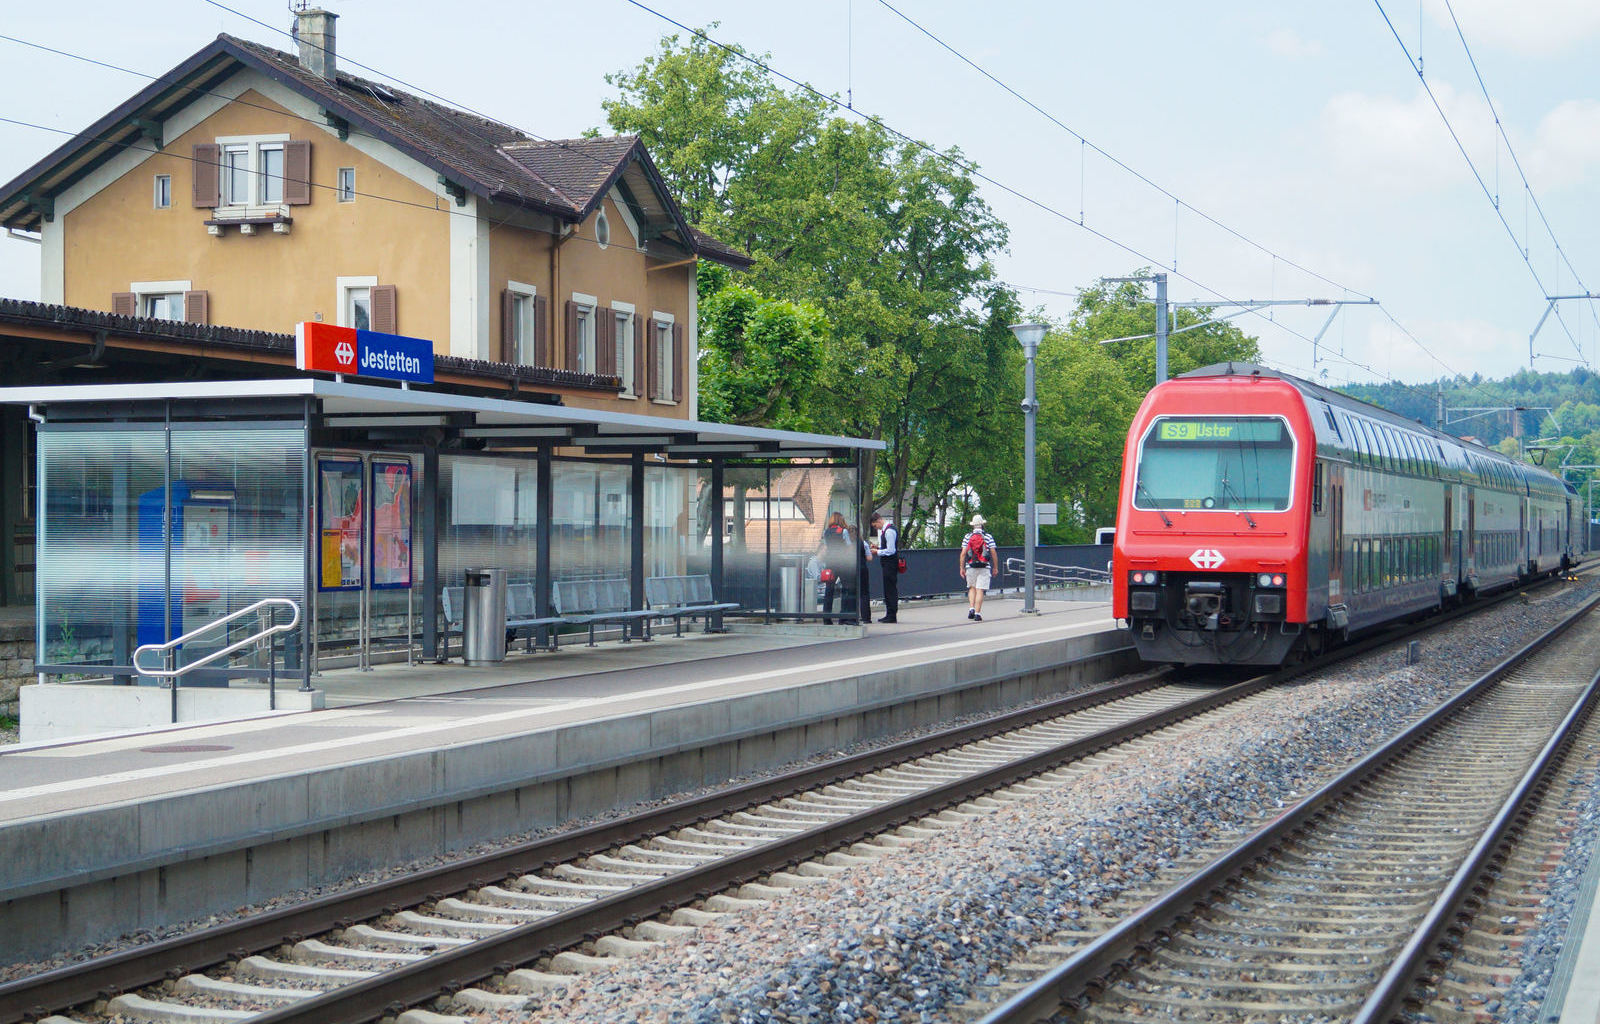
(1029,335)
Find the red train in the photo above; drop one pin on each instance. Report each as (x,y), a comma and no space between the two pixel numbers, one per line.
(1264,518)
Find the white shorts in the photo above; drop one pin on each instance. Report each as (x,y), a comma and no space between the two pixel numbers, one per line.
(978,577)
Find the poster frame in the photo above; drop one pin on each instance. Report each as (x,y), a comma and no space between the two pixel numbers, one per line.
(376,466)
(346,464)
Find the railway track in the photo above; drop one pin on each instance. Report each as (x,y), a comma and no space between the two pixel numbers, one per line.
(1335,910)
(578,901)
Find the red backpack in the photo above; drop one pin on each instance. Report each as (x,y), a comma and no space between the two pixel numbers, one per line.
(977,550)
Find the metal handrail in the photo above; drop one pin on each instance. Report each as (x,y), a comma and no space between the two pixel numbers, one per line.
(1060,573)
(174,673)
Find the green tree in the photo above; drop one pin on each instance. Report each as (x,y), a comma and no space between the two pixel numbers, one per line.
(759,357)
(890,240)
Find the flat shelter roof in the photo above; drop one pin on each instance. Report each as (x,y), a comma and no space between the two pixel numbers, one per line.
(356,405)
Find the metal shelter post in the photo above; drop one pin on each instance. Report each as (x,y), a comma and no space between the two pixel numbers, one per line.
(716,536)
(541,541)
(428,499)
(308,508)
(636,543)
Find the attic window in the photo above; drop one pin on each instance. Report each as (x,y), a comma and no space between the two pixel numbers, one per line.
(602,229)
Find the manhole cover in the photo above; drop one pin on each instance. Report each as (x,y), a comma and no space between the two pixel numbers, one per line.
(184,748)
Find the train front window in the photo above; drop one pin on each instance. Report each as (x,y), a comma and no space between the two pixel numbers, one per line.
(1215,462)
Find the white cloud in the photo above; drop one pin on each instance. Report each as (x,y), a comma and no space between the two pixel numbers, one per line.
(1534,28)
(1403,144)
(1285,42)
(1566,147)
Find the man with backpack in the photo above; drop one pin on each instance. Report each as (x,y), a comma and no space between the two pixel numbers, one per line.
(976,563)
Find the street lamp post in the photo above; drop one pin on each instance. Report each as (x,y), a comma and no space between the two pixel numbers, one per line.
(1029,335)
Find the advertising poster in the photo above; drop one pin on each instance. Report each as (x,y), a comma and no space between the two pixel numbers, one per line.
(341,499)
(391,524)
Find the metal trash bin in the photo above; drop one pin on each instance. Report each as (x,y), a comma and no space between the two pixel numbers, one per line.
(789,589)
(483,626)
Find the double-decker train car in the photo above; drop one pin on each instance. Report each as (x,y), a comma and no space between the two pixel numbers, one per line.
(1264,518)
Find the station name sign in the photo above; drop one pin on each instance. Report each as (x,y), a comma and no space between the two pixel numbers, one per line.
(331,349)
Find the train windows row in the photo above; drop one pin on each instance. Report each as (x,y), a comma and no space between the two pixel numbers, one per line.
(1392,449)
(1381,562)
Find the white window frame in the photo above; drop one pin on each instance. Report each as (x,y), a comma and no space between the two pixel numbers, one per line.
(163,191)
(144,291)
(666,369)
(346,193)
(587,305)
(252,147)
(345,287)
(522,342)
(624,312)
(602,229)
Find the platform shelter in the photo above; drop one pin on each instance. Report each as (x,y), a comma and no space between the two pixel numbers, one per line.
(161,507)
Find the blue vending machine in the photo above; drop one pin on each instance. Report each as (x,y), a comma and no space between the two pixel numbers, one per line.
(201,540)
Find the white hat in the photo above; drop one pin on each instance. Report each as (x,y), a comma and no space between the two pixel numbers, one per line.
(978,520)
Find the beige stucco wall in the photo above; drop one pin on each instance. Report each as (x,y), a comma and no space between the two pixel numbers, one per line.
(266,281)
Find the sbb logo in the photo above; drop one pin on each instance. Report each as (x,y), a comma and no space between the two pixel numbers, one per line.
(345,353)
(1206,558)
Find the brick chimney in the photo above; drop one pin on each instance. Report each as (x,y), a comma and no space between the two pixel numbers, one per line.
(314,33)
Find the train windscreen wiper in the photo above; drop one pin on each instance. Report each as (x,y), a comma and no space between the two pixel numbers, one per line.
(1232,495)
(1142,489)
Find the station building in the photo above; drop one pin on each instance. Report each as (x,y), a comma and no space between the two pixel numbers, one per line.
(166,458)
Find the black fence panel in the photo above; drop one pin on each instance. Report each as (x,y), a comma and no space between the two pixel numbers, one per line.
(934,572)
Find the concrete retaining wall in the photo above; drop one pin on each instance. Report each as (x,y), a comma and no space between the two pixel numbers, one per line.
(16,662)
(71,880)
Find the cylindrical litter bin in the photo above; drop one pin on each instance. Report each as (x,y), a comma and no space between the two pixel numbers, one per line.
(483,626)
(789,589)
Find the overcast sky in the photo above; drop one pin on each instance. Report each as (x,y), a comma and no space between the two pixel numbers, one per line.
(1299,126)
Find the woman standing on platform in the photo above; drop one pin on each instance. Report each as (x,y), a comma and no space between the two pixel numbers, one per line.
(837,555)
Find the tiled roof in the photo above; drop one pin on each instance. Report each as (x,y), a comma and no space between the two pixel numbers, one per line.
(563,178)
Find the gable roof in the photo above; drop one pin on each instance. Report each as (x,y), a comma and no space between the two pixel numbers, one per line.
(565,179)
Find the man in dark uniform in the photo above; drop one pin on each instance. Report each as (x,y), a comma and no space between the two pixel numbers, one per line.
(887,552)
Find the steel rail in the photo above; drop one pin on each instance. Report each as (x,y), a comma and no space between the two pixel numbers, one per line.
(59,989)
(1110,955)
(1414,958)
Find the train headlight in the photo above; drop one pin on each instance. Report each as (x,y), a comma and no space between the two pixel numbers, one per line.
(1143,601)
(1271,579)
(1143,578)
(1265,579)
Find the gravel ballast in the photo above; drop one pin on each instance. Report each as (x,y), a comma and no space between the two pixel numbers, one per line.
(909,938)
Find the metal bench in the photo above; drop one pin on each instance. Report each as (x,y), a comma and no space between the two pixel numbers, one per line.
(681,597)
(595,602)
(521,613)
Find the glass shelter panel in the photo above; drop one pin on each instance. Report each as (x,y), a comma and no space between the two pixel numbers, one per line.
(140,543)
(491,517)
(773,521)
(591,523)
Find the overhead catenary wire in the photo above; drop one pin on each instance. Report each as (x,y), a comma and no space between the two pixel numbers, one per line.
(1477,175)
(965,166)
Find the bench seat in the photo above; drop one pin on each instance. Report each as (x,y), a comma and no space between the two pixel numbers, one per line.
(593,602)
(681,597)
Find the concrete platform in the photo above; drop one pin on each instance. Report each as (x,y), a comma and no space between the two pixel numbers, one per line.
(138,831)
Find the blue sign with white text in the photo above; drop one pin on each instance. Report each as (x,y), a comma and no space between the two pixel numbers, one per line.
(394,356)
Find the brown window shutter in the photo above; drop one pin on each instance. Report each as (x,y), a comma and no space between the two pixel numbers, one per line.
(641,357)
(677,362)
(296,172)
(605,335)
(541,331)
(654,390)
(197,307)
(508,326)
(123,303)
(385,314)
(207,174)
(572,335)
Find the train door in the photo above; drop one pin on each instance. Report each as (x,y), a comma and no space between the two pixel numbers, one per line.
(1336,582)
(1524,549)
(1447,565)
(1469,544)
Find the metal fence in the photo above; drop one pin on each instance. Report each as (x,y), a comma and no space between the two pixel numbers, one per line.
(935,572)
